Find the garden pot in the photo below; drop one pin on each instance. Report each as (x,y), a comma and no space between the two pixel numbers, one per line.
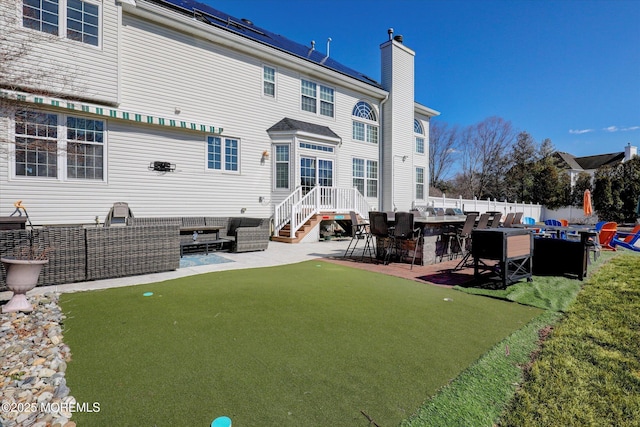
(22,276)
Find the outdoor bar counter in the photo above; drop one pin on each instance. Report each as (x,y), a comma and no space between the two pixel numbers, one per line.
(432,229)
(434,247)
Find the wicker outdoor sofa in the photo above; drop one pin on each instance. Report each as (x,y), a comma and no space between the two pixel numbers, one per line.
(145,245)
(80,253)
(242,234)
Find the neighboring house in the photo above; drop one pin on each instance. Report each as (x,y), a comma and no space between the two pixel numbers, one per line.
(179,109)
(589,164)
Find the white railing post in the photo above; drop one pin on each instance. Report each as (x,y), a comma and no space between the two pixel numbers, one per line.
(293,222)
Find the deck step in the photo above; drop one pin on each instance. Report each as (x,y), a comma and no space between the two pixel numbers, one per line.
(285,233)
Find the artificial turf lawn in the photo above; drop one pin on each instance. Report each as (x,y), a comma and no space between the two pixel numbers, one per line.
(304,344)
(553,293)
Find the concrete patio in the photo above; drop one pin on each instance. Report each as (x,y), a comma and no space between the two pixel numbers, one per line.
(278,254)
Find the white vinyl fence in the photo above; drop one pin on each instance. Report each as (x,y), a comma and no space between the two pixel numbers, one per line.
(488,205)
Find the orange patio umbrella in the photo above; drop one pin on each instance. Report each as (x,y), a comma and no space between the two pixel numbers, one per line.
(586,204)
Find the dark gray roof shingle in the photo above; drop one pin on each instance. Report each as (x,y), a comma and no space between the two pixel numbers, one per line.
(569,159)
(293,125)
(590,162)
(594,162)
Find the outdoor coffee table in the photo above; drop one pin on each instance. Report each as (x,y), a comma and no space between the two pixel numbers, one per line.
(202,235)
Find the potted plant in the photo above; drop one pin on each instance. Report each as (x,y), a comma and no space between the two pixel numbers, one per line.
(23,266)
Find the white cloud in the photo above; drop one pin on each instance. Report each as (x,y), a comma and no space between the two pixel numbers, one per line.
(630,128)
(611,129)
(579,131)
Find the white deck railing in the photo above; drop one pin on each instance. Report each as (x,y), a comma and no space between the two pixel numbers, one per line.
(297,209)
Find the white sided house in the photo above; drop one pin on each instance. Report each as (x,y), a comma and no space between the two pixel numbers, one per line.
(181,110)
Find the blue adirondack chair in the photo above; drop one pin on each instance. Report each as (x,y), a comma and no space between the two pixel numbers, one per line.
(627,240)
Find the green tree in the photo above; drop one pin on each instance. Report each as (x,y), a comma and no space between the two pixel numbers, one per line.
(565,191)
(520,176)
(616,192)
(547,184)
(583,182)
(551,183)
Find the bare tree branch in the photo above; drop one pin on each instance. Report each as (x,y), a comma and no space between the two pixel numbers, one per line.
(484,160)
(26,66)
(443,151)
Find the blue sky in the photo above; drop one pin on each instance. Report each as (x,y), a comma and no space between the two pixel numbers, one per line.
(568,70)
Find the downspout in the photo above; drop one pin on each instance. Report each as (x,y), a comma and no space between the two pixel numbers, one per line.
(380,149)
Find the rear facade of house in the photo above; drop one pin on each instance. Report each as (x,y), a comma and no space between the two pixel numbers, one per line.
(179,109)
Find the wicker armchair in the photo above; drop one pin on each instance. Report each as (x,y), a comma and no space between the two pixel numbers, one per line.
(250,234)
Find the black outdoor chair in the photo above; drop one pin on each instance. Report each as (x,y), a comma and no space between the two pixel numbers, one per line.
(495,223)
(379,228)
(508,220)
(458,237)
(483,222)
(518,218)
(403,232)
(359,231)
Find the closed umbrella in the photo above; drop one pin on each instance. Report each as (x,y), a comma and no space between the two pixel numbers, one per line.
(586,204)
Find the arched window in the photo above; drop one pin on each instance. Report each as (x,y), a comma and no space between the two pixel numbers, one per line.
(417,127)
(418,130)
(365,123)
(365,111)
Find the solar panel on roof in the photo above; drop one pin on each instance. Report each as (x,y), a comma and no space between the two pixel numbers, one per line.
(206,13)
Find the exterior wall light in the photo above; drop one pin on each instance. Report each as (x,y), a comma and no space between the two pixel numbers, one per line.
(162,167)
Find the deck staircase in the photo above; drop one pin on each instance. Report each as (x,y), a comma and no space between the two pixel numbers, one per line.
(286,236)
(298,214)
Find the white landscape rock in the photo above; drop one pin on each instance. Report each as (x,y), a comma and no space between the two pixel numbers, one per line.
(33,361)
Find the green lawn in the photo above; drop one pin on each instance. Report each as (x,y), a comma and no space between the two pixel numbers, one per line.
(310,344)
(588,371)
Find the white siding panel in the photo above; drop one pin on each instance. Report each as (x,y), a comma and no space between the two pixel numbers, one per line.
(398,79)
(161,70)
(67,67)
(191,190)
(223,87)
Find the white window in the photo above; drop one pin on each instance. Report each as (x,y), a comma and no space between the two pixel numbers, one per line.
(82,22)
(85,150)
(269,81)
(365,124)
(282,166)
(42,138)
(223,154)
(419,183)
(311,102)
(366,179)
(419,136)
